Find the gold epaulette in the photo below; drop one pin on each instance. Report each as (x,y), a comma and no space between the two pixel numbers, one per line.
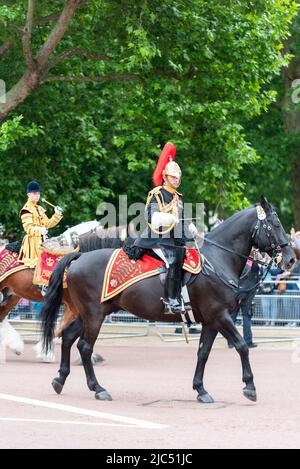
(153,192)
(26,207)
(156,190)
(30,209)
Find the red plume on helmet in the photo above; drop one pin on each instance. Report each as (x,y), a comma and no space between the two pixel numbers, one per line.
(168,154)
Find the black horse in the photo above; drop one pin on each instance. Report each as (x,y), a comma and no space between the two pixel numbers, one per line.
(213,295)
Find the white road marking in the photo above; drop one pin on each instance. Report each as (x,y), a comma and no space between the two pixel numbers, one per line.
(65,422)
(81,411)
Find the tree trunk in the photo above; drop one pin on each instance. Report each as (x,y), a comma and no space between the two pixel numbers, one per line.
(19,93)
(291,121)
(295,164)
(36,69)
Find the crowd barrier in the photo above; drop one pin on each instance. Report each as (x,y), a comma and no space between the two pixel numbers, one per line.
(272,309)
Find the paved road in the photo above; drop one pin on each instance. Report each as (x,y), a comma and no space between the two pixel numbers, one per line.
(153,404)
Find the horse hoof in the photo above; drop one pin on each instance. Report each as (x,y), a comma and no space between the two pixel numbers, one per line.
(250,394)
(103,396)
(205,398)
(57,386)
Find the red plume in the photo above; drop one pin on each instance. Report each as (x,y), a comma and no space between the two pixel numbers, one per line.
(168,154)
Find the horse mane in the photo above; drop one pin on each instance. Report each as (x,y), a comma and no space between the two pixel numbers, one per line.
(102,238)
(98,239)
(228,221)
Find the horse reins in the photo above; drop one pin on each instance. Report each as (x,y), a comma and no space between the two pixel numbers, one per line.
(274,247)
(268,229)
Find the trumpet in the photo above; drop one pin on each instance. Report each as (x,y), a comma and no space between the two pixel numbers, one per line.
(48,203)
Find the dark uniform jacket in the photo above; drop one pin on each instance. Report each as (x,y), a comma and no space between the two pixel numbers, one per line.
(162,200)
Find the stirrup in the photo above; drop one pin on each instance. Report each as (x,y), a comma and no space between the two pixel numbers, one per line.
(168,310)
(187,307)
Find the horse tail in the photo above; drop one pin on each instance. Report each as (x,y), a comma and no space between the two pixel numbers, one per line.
(53,299)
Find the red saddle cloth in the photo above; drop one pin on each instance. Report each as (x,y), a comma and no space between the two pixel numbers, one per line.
(122,272)
(9,264)
(46,263)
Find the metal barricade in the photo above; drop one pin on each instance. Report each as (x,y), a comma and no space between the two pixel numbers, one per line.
(276,310)
(272,309)
(172,331)
(25,318)
(122,324)
(277,307)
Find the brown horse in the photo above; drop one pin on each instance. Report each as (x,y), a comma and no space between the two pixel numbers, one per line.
(20,284)
(213,294)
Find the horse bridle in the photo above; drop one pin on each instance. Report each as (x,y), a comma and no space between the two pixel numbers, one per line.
(261,224)
(274,249)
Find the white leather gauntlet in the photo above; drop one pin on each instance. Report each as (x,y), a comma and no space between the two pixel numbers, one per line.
(163,219)
(59,211)
(43,231)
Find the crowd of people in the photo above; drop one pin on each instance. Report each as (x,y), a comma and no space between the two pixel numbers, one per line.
(285,286)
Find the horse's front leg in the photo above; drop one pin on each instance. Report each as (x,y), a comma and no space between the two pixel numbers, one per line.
(229,331)
(208,335)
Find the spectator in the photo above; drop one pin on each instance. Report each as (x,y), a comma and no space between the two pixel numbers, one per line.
(36,308)
(246,303)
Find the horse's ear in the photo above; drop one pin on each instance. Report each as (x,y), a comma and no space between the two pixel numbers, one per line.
(264,203)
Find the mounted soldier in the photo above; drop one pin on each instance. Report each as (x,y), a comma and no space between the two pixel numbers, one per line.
(167,232)
(36,224)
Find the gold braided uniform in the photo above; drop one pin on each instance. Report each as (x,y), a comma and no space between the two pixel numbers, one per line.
(163,206)
(33,218)
(166,200)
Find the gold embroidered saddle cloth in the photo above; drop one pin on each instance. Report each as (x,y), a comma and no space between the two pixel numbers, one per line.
(9,264)
(122,272)
(50,254)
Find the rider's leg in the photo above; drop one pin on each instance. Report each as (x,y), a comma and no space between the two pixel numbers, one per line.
(175,256)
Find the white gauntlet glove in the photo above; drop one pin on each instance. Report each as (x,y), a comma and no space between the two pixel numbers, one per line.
(44,231)
(193,230)
(163,219)
(59,211)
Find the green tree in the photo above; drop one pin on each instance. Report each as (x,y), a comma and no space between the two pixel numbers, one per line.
(126,77)
(276,137)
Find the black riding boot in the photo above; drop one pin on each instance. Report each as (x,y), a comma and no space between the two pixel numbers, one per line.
(172,291)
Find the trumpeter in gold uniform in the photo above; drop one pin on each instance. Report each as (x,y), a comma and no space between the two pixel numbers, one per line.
(36,224)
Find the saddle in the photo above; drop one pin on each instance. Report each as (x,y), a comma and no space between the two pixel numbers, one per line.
(58,246)
(122,272)
(51,252)
(9,263)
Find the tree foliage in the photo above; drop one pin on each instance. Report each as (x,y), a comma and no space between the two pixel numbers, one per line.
(193,72)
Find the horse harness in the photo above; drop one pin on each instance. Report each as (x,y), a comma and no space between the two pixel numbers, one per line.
(274,248)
